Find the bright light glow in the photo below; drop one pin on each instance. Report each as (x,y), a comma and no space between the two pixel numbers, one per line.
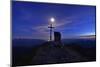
(89,33)
(52,19)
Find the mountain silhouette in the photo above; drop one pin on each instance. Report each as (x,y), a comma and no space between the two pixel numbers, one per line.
(50,53)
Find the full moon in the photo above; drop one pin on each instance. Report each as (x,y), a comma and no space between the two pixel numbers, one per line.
(52,19)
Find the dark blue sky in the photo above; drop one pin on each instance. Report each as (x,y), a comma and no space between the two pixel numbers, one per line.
(30,20)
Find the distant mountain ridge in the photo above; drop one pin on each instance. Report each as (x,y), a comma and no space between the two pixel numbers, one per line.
(36,42)
(27,42)
(82,42)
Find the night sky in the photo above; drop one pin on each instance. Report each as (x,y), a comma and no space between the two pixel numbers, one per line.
(31,20)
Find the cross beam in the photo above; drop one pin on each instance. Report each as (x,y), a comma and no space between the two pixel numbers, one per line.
(51,30)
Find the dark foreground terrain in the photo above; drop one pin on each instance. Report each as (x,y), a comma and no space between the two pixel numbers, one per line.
(36,52)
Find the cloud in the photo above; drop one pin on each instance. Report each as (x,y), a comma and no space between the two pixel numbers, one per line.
(60,25)
(44,28)
(41,29)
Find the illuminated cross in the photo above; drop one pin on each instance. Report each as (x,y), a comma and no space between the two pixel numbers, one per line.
(51,27)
